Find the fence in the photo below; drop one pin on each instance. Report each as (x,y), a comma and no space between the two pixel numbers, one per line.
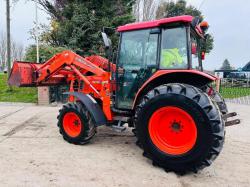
(236,90)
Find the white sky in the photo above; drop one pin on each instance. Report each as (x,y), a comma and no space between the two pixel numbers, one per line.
(22,20)
(229,23)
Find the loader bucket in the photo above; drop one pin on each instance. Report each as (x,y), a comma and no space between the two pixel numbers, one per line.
(23,74)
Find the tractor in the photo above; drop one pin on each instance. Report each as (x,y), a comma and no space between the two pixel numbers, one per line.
(156,86)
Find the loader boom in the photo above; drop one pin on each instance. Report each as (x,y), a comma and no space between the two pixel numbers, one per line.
(70,68)
(67,59)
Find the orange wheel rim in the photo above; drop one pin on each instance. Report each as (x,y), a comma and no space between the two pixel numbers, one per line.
(172,130)
(72,124)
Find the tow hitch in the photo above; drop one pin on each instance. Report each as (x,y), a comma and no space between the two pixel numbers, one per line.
(232,122)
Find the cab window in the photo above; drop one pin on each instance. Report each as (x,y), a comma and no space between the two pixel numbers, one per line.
(195,49)
(174,48)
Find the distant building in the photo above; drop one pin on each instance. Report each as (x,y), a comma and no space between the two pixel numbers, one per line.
(241,73)
(224,73)
(246,67)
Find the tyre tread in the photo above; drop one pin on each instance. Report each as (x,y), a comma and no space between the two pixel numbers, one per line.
(206,104)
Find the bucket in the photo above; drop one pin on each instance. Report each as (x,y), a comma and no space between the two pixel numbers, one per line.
(23,74)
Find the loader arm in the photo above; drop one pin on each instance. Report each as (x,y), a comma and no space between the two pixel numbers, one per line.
(67,60)
(69,67)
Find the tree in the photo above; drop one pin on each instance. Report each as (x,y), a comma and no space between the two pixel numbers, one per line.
(17,51)
(46,52)
(145,10)
(78,24)
(226,65)
(3,50)
(171,9)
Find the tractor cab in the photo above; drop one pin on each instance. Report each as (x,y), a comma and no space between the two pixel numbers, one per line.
(147,47)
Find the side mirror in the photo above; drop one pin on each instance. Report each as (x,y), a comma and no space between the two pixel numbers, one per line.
(106,40)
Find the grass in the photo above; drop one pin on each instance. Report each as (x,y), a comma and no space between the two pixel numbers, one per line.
(29,95)
(234,92)
(26,95)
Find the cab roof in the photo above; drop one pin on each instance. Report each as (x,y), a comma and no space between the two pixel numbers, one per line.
(155,23)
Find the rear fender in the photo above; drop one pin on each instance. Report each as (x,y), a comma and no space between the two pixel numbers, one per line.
(92,106)
(192,77)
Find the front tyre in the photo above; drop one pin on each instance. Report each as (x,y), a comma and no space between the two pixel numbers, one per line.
(75,123)
(179,128)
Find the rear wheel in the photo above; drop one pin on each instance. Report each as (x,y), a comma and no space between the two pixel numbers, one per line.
(220,102)
(179,128)
(75,123)
(216,96)
(174,133)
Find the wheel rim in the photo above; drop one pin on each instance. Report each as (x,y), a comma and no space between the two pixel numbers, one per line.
(172,130)
(72,124)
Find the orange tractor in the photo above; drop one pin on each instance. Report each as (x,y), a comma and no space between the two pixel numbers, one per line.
(156,86)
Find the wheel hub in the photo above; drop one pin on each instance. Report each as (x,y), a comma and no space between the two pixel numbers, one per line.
(176,126)
(76,122)
(172,130)
(72,124)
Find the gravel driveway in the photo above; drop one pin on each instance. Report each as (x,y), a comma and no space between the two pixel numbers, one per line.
(32,153)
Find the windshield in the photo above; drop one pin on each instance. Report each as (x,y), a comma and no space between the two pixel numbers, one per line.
(174,49)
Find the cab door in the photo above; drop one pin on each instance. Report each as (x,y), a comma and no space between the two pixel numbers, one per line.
(137,61)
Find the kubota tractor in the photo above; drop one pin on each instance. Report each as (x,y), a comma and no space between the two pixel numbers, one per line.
(156,86)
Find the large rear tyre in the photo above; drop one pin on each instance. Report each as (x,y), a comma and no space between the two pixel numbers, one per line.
(75,123)
(179,128)
(220,102)
(215,95)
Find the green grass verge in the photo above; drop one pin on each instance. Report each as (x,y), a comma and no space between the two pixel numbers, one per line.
(235,92)
(26,95)
(29,95)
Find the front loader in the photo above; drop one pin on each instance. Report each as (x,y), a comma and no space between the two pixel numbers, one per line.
(157,86)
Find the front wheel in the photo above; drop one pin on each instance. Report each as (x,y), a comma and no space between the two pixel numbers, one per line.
(75,123)
(179,128)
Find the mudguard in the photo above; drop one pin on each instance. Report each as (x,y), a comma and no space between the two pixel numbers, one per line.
(92,106)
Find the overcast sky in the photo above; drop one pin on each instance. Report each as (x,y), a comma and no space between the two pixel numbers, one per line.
(229,24)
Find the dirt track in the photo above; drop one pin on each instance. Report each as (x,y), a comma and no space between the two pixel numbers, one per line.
(32,153)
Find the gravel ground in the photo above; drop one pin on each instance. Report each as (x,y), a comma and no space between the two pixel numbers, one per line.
(32,153)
